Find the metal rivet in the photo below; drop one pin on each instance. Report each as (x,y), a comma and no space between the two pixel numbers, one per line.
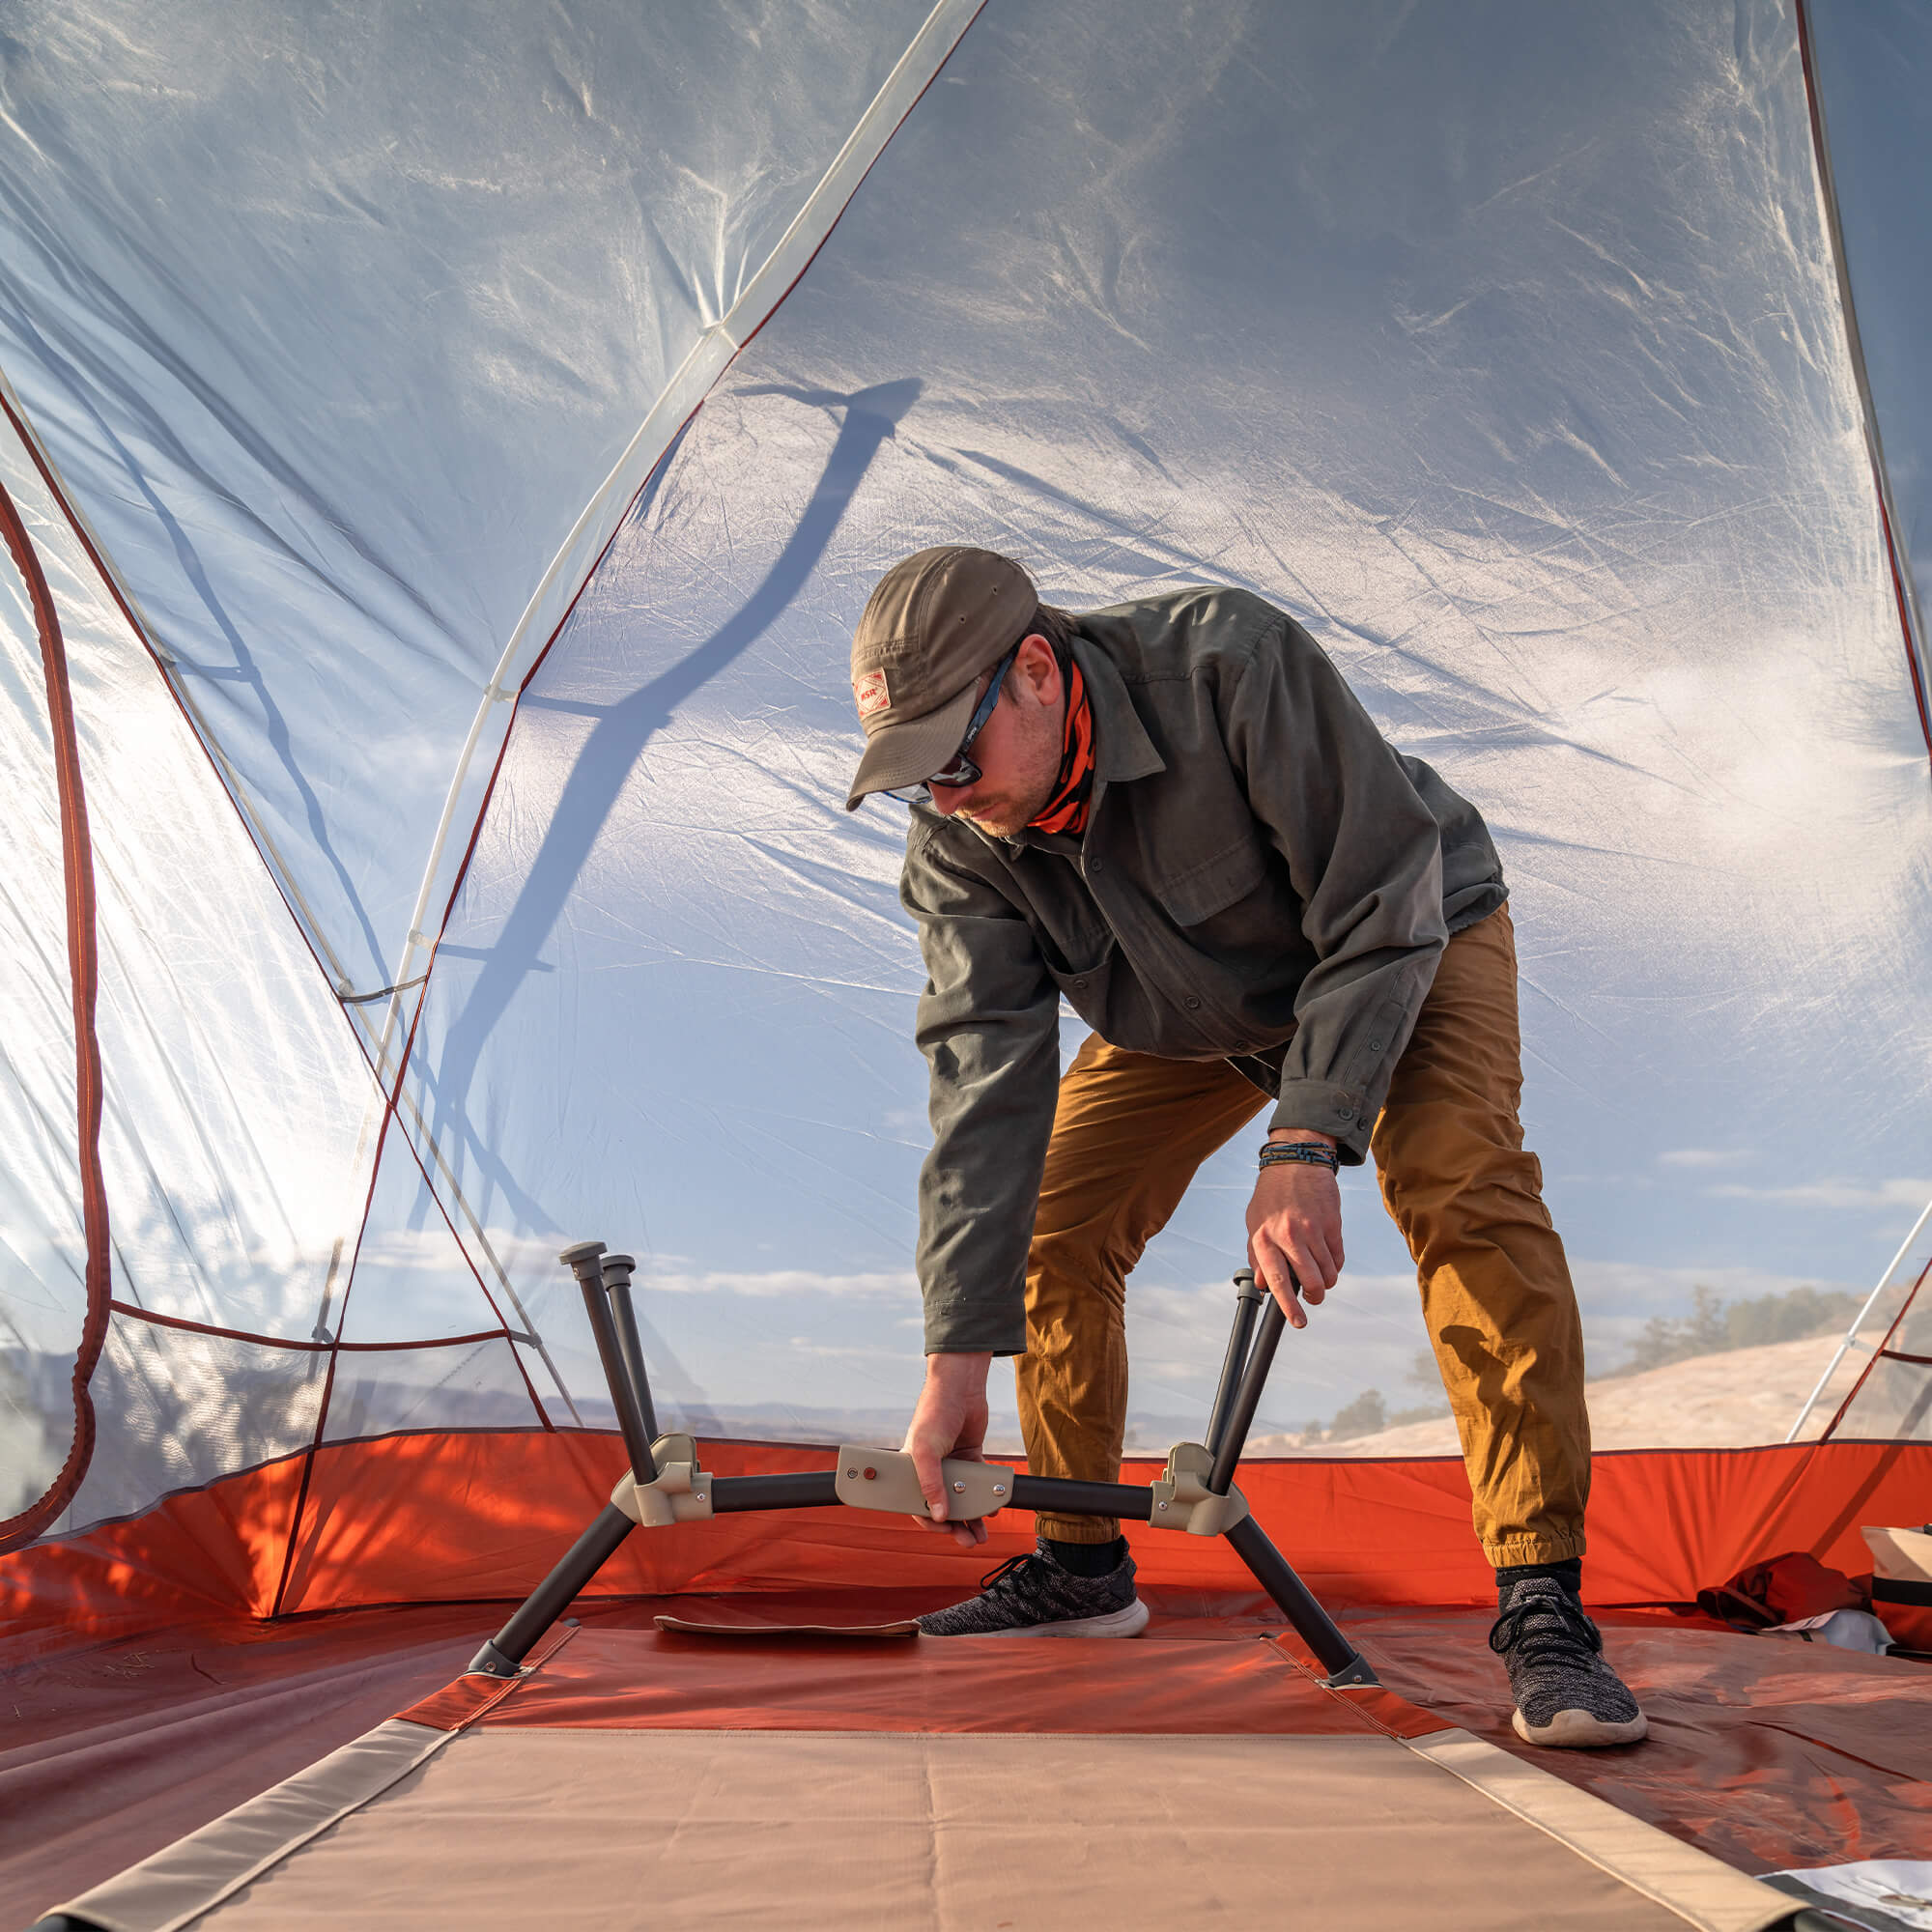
(1163,1505)
(958,1489)
(999,1489)
(871,1475)
(851,1472)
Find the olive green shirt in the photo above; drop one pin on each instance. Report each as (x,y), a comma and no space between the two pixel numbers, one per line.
(1262,879)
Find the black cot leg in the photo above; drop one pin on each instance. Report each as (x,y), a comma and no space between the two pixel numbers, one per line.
(1249,1298)
(630,1396)
(1273,1570)
(583,1260)
(1242,1384)
(1240,1416)
(501,1656)
(617,1270)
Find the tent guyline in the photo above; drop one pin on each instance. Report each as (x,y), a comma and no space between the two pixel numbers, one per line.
(666,1485)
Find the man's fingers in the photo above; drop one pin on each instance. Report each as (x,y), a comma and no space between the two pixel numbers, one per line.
(1317,1268)
(1273,1268)
(931,1480)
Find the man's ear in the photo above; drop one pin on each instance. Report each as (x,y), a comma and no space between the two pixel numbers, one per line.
(1041,670)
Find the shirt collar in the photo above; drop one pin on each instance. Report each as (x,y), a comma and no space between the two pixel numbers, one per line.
(1121,747)
(1122,751)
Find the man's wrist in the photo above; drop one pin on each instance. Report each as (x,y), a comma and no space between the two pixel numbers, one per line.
(950,1364)
(1299,1147)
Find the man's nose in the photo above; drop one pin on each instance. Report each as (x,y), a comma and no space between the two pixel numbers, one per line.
(948,799)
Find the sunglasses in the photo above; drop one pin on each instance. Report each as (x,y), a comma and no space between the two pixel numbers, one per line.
(960,770)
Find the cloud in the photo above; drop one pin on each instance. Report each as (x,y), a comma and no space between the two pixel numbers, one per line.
(1903,1193)
(1703,1157)
(784,1283)
(803,1344)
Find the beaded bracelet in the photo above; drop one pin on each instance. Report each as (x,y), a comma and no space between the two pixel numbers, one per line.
(1300,1153)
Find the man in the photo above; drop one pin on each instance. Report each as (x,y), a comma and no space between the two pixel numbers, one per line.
(1175,814)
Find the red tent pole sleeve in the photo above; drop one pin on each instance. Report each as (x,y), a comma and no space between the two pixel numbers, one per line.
(77,865)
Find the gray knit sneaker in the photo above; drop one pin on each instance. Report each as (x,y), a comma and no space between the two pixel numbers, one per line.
(1566,1694)
(1033,1596)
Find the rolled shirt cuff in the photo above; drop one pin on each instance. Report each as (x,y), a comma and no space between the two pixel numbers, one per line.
(959,1327)
(1338,1112)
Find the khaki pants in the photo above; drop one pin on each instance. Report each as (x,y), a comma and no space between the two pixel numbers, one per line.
(1128,1133)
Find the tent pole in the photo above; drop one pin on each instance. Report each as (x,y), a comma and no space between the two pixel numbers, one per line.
(1857,1321)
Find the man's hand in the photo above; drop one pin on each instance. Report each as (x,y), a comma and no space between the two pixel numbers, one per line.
(1294,1220)
(950,1420)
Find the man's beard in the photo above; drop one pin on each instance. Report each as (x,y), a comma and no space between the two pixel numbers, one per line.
(1003,817)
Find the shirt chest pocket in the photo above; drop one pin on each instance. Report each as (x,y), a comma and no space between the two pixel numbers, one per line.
(1213,883)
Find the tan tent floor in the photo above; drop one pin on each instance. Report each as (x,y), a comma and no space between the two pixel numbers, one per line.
(1768,1752)
(1223,1783)
(901,1831)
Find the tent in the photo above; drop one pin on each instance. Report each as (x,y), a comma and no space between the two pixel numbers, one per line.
(446,450)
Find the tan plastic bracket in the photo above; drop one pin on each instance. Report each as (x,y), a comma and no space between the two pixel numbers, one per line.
(681,1494)
(1182,1500)
(884,1479)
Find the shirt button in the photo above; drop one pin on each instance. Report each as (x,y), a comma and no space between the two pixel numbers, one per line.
(1080,985)
(1193,1002)
(1094,866)
(1345,1112)
(1374,1046)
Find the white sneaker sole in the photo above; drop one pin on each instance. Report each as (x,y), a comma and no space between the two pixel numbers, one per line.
(1577,1730)
(1127,1622)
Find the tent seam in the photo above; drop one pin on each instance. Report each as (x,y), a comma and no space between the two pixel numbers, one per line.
(1910,617)
(225,776)
(720,330)
(328,1379)
(494,691)
(193,1328)
(1879,1353)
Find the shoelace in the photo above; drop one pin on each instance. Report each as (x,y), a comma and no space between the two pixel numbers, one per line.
(993,1579)
(1550,1627)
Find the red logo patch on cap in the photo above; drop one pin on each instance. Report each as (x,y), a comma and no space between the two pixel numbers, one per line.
(871,692)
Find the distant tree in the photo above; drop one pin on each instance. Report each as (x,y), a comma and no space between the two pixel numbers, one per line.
(1714,1326)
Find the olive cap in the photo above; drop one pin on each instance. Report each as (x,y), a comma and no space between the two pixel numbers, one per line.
(932,624)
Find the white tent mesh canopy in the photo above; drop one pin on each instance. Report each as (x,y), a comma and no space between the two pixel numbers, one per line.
(464,721)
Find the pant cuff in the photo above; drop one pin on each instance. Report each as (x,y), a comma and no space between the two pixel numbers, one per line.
(1533,1549)
(1077,1528)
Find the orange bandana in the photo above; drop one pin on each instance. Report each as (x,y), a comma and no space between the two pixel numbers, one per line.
(1067,810)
